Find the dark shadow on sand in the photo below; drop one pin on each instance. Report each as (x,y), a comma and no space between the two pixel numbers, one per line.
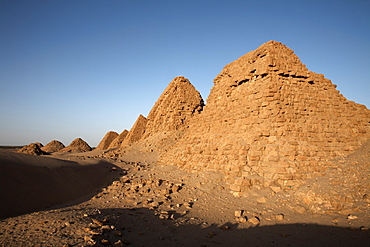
(29,183)
(140,227)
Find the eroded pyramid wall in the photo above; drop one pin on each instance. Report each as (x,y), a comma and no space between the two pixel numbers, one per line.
(178,103)
(116,143)
(270,122)
(107,140)
(136,132)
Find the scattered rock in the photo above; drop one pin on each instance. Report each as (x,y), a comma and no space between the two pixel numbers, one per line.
(254,220)
(279,217)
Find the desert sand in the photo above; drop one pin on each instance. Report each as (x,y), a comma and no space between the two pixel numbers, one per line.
(83,199)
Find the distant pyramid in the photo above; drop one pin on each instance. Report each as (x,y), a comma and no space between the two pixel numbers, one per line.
(77,146)
(270,121)
(136,132)
(179,102)
(107,140)
(117,142)
(32,148)
(53,146)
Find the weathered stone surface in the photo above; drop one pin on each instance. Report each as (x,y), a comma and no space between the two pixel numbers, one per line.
(116,143)
(53,146)
(270,122)
(77,146)
(32,148)
(178,103)
(136,132)
(107,140)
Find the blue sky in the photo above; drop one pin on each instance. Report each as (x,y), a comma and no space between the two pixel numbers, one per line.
(80,68)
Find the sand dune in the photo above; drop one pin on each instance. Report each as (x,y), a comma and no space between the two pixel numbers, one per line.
(30,183)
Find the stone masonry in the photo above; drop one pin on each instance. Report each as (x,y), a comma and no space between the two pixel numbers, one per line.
(116,143)
(136,132)
(107,140)
(270,122)
(178,103)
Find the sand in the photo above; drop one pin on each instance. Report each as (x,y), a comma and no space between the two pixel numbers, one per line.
(84,200)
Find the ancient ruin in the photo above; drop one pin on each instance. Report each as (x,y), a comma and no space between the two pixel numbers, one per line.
(32,148)
(107,140)
(178,103)
(78,145)
(116,143)
(136,132)
(269,121)
(53,146)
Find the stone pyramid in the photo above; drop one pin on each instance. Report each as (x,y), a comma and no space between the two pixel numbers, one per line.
(136,132)
(270,122)
(107,140)
(77,146)
(53,146)
(116,143)
(32,148)
(178,103)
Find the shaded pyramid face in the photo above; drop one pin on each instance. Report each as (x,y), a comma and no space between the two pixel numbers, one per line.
(270,121)
(136,132)
(107,140)
(116,143)
(77,145)
(53,146)
(178,103)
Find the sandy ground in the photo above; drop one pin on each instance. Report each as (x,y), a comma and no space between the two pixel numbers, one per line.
(86,200)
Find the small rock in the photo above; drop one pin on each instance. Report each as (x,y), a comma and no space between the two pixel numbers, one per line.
(96,222)
(364,228)
(279,216)
(105,242)
(262,199)
(105,228)
(275,189)
(119,243)
(254,220)
(241,219)
(299,209)
(351,217)
(238,213)
(366,198)
(225,228)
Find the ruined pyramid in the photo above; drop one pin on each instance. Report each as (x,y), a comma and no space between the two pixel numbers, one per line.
(107,140)
(136,132)
(170,116)
(53,146)
(269,121)
(116,143)
(77,146)
(178,103)
(32,148)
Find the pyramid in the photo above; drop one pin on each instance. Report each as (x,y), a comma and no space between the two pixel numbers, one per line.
(178,103)
(269,121)
(32,148)
(116,143)
(53,146)
(77,146)
(136,132)
(107,140)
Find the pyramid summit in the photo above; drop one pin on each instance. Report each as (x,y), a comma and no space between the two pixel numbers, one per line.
(178,103)
(107,140)
(270,121)
(76,146)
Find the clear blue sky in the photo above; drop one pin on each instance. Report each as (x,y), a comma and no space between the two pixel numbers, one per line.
(80,68)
